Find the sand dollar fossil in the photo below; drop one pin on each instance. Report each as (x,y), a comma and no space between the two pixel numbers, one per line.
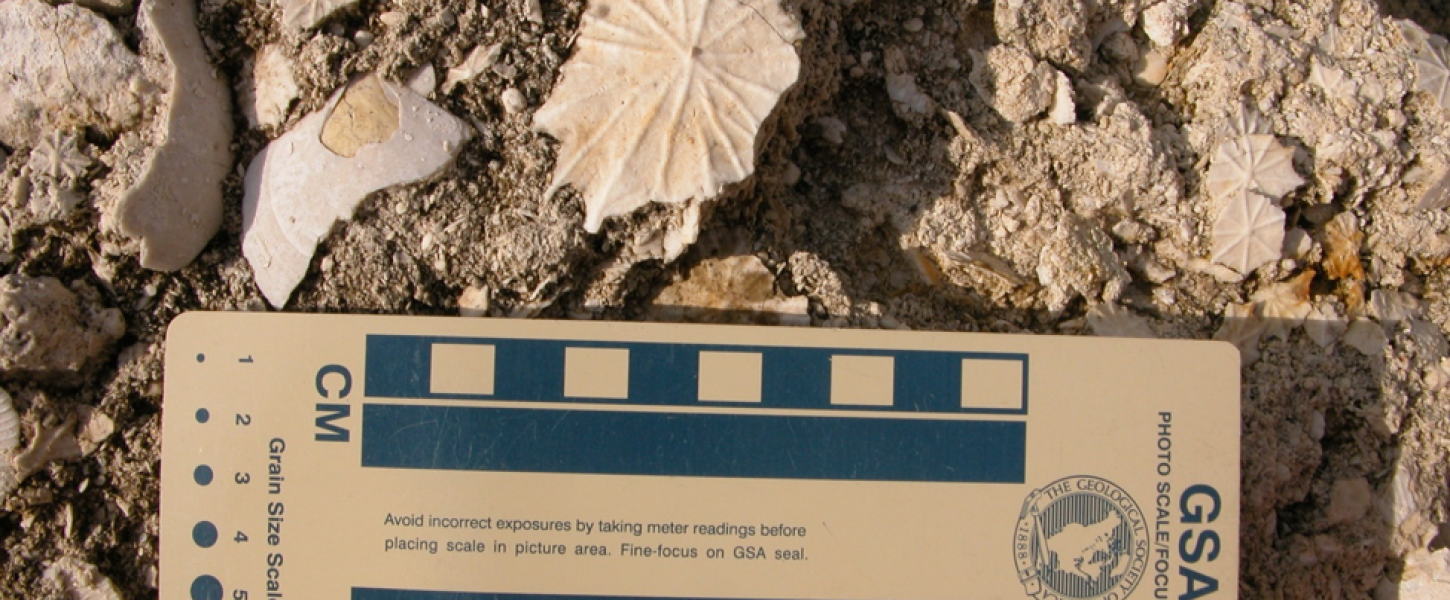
(662,100)
(1248,233)
(1432,69)
(1253,163)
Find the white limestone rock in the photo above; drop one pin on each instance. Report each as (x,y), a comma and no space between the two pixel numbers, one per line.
(313,176)
(176,206)
(1016,85)
(1437,195)
(48,332)
(657,108)
(1053,30)
(64,68)
(269,87)
(513,101)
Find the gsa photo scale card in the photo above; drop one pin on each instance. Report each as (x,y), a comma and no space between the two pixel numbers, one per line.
(329,457)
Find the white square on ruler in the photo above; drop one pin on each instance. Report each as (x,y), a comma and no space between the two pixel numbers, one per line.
(461,369)
(730,376)
(989,383)
(596,373)
(862,380)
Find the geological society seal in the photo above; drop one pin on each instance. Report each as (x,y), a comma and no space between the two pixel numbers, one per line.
(1080,537)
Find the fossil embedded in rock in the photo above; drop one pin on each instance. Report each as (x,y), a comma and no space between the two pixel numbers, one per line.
(1324,324)
(176,206)
(1285,305)
(9,443)
(1109,319)
(1342,240)
(59,157)
(1247,121)
(317,173)
(1432,69)
(1391,306)
(1016,85)
(1248,233)
(480,59)
(1253,163)
(9,425)
(1242,327)
(306,14)
(1438,196)
(663,102)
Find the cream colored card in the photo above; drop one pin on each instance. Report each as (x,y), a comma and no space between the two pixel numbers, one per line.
(407,458)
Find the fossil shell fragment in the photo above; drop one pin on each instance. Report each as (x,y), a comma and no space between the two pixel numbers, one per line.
(1438,196)
(663,101)
(59,157)
(1112,320)
(9,424)
(1432,69)
(313,176)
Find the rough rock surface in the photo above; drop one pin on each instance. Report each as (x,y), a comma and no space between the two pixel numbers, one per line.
(64,67)
(49,331)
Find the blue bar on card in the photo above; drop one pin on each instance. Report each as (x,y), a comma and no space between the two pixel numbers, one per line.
(541,440)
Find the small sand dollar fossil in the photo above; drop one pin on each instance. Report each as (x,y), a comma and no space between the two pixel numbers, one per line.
(1253,163)
(1249,232)
(663,99)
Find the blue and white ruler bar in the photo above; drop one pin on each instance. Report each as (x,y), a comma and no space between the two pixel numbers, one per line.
(858,422)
